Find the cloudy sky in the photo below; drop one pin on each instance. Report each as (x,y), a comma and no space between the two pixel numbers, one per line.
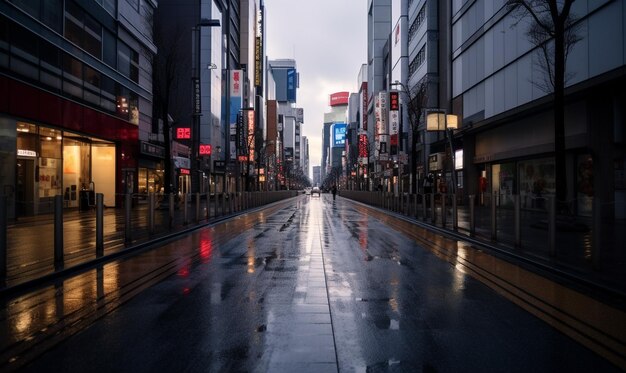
(328,40)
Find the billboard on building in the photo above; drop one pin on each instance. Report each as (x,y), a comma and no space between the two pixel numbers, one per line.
(236,93)
(258,51)
(292,83)
(339,134)
(364,99)
(339,98)
(394,120)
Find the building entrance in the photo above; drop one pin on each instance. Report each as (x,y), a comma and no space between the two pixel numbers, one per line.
(25,188)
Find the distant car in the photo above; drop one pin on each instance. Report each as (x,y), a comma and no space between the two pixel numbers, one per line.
(316,190)
(307,191)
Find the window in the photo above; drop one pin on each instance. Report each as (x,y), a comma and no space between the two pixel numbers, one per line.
(418,60)
(108,5)
(51,66)
(128,61)
(24,58)
(109,49)
(83,30)
(52,14)
(417,22)
(134,4)
(92,85)
(72,76)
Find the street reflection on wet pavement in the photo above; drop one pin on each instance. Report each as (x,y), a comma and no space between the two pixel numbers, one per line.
(307,285)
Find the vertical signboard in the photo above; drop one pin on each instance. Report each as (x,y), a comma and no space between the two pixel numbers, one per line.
(258,51)
(197,108)
(363,148)
(364,97)
(384,130)
(241,136)
(250,138)
(394,120)
(236,89)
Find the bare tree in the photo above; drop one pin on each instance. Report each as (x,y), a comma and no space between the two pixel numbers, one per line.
(166,66)
(554,31)
(417,98)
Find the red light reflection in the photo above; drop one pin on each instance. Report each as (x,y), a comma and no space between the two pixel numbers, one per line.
(206,247)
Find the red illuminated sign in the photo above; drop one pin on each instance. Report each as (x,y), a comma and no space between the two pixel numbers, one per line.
(394,101)
(242,158)
(339,98)
(184,171)
(205,149)
(363,146)
(183,133)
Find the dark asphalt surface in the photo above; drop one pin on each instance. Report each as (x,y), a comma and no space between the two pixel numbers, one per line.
(314,287)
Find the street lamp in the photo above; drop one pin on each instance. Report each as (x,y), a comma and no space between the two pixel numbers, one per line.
(439,120)
(197,109)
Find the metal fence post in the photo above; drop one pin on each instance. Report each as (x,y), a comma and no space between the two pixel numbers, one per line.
(433,211)
(58,231)
(472,215)
(151,204)
(518,221)
(99,224)
(185,212)
(552,225)
(443,210)
(171,206)
(494,224)
(455,213)
(3,238)
(127,227)
(197,208)
(597,233)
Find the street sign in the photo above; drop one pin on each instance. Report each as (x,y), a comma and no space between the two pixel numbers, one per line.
(205,149)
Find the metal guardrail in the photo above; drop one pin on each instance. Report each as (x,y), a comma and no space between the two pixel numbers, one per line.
(140,223)
(588,244)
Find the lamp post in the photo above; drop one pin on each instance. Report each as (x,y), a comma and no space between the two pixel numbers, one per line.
(197,109)
(450,122)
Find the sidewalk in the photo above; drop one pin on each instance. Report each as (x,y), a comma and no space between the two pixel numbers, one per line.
(30,240)
(574,247)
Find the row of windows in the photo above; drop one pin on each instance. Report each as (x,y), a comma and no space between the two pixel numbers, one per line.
(417,61)
(40,62)
(85,31)
(417,22)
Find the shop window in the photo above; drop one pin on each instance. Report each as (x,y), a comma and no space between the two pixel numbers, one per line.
(50,142)
(27,138)
(50,162)
(536,182)
(127,105)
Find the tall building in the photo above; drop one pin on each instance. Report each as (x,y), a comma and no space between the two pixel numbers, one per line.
(304,162)
(75,93)
(285,80)
(317,176)
(334,137)
(506,112)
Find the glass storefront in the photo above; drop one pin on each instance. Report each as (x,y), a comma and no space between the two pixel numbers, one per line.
(52,162)
(150,181)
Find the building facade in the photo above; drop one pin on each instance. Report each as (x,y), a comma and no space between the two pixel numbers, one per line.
(75,92)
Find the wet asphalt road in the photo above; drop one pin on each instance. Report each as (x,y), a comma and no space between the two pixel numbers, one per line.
(316,287)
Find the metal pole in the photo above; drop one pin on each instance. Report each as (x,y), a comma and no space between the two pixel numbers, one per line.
(58,231)
(424,213)
(494,224)
(443,210)
(433,212)
(197,208)
(3,238)
(472,215)
(552,225)
(171,206)
(185,212)
(597,233)
(518,221)
(151,204)
(455,214)
(127,227)
(99,224)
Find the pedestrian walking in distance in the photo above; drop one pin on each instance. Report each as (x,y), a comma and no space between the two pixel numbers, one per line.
(334,191)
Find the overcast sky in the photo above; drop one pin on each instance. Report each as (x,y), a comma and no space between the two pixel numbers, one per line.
(328,40)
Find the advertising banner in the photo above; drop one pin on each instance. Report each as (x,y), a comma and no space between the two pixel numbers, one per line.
(364,99)
(339,135)
(236,85)
(339,98)
(394,120)
(291,85)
